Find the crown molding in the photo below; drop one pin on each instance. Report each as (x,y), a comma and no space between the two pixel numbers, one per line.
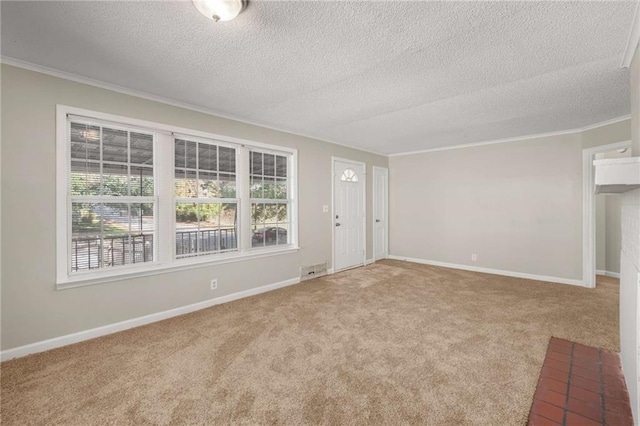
(120,89)
(634,39)
(518,138)
(167,101)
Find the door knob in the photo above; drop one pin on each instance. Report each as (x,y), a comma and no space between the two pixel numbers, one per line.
(337,224)
(378,220)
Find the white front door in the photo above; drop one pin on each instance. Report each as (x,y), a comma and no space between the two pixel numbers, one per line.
(380,213)
(348,214)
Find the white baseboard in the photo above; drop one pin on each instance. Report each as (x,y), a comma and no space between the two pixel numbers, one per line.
(608,273)
(80,336)
(490,271)
(366,262)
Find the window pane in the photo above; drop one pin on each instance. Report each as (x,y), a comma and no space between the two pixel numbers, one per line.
(141,148)
(114,145)
(257,235)
(281,189)
(85,178)
(207,157)
(227,185)
(281,166)
(209,187)
(186,228)
(282,212)
(227,160)
(257,213)
(255,190)
(141,181)
(282,234)
(269,188)
(269,235)
(271,213)
(180,157)
(85,142)
(186,184)
(191,160)
(256,163)
(203,228)
(111,234)
(269,165)
(115,179)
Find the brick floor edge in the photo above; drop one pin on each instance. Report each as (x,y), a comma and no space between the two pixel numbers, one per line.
(580,385)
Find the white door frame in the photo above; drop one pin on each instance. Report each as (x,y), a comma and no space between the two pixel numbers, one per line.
(333,209)
(589,210)
(377,169)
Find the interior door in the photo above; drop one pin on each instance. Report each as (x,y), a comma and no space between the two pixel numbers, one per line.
(380,213)
(348,214)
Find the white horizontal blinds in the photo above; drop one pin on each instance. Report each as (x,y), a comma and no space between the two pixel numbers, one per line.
(206,203)
(270,199)
(111,193)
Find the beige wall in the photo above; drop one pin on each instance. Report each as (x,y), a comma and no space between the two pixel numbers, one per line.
(32,310)
(613,211)
(517,205)
(635,103)
(608,232)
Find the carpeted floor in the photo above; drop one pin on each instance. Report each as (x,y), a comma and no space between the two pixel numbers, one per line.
(390,343)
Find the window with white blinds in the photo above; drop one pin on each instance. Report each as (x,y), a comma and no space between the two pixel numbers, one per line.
(136,197)
(111,196)
(206,203)
(269,199)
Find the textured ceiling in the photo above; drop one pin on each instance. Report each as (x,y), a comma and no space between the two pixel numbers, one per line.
(384,76)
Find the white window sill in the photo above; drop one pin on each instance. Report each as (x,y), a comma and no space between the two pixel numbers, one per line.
(142,270)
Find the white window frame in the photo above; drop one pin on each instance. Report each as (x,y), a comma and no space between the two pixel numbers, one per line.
(164,235)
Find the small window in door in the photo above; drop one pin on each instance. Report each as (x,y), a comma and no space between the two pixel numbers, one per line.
(349,176)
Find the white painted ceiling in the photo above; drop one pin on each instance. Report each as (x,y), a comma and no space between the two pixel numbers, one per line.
(383,76)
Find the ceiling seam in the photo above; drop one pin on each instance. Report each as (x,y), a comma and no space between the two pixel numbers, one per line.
(124,90)
(518,138)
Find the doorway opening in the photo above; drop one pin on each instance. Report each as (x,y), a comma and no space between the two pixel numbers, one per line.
(591,232)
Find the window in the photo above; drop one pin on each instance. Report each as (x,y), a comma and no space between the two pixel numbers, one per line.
(269,199)
(349,176)
(205,193)
(111,189)
(136,198)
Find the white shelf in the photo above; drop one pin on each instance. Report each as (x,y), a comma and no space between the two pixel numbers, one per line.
(617,175)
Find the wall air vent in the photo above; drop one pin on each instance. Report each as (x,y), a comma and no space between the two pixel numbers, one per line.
(313,271)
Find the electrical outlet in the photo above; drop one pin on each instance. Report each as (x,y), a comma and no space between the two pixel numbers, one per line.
(474,257)
(214,284)
(325,209)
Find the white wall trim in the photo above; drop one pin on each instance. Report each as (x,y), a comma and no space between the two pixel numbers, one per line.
(80,336)
(589,210)
(634,39)
(490,271)
(518,138)
(374,185)
(167,101)
(369,262)
(608,273)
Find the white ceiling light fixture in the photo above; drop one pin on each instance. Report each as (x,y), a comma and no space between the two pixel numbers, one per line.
(220,10)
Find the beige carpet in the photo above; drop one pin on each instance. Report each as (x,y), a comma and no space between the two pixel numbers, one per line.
(391,343)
